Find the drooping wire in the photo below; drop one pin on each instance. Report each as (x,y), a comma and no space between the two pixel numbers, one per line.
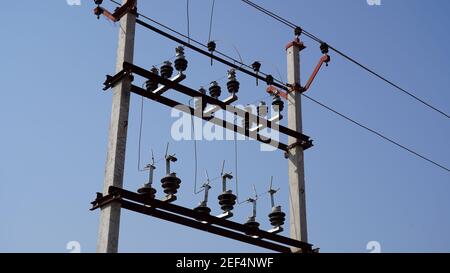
(313,100)
(290,24)
(391,83)
(195,152)
(199,43)
(211,20)
(346,56)
(141,118)
(203,45)
(249,200)
(141,121)
(236,162)
(140,140)
(241,61)
(239,55)
(188,22)
(378,134)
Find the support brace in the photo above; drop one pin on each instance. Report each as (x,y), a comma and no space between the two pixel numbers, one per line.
(275,91)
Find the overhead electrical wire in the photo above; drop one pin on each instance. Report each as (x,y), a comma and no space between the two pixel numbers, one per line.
(188,22)
(211,19)
(379,134)
(200,44)
(306,96)
(375,132)
(346,56)
(192,117)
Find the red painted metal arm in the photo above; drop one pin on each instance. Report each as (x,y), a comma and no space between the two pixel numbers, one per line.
(130,5)
(101,11)
(324,59)
(276,92)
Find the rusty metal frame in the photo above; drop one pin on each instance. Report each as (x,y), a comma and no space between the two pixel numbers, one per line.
(188,217)
(219,122)
(129,69)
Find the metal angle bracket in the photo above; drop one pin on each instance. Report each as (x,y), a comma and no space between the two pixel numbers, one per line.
(112,81)
(102,201)
(129,6)
(305,144)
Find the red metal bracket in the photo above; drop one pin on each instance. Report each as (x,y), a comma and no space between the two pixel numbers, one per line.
(297,88)
(276,92)
(325,59)
(296,43)
(129,6)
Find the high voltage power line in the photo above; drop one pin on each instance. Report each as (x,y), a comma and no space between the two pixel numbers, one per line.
(243,67)
(339,52)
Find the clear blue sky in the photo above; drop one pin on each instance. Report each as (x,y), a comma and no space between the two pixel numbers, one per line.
(54,119)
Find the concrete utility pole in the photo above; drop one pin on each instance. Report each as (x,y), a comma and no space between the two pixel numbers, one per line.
(297,200)
(108,235)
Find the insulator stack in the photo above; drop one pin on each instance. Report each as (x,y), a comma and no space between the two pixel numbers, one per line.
(256,67)
(252,224)
(98,11)
(298,31)
(277,217)
(203,206)
(232,84)
(269,80)
(211,48)
(277,104)
(180,62)
(150,84)
(324,48)
(147,191)
(202,90)
(215,90)
(170,183)
(166,70)
(227,200)
(202,209)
